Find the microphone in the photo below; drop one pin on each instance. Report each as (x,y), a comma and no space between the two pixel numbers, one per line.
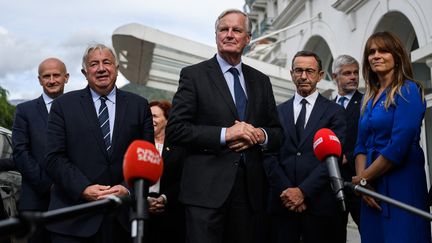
(142,167)
(327,148)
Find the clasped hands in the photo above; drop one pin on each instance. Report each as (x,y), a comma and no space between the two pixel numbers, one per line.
(156,205)
(293,199)
(97,192)
(243,135)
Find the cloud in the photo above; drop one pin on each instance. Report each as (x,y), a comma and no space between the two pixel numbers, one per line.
(17,55)
(63,29)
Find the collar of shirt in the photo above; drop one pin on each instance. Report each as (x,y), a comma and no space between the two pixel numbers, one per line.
(48,100)
(348,96)
(225,65)
(309,106)
(111,97)
(310,99)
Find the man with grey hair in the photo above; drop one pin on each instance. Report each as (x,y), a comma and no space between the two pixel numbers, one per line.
(346,75)
(224,113)
(89,131)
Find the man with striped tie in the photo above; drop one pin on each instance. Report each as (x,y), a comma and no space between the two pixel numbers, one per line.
(89,131)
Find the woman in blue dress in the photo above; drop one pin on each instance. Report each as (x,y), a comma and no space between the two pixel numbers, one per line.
(389,158)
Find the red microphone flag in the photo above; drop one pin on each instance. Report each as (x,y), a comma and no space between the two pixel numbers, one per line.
(142,161)
(326,144)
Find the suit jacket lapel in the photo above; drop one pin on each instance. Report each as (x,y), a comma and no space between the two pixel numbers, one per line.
(40,104)
(287,112)
(317,112)
(121,104)
(354,102)
(92,119)
(215,74)
(250,91)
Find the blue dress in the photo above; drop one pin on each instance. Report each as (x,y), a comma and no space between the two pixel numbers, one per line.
(395,133)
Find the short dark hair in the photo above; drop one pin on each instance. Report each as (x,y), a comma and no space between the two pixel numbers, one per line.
(307,54)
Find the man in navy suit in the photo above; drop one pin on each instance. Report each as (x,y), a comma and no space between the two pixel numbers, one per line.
(224,114)
(28,137)
(89,131)
(346,75)
(302,204)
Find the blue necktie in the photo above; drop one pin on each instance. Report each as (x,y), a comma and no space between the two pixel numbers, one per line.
(341,101)
(239,94)
(301,119)
(104,122)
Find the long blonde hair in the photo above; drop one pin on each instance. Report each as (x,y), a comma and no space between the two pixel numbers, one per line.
(402,68)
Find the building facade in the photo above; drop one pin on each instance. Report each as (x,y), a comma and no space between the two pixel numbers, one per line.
(334,27)
(330,28)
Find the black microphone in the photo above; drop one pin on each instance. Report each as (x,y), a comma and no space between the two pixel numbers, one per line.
(142,167)
(327,148)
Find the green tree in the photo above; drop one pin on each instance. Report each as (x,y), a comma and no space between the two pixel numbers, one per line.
(7,110)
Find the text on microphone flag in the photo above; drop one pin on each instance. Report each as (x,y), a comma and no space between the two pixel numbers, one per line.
(142,161)
(146,155)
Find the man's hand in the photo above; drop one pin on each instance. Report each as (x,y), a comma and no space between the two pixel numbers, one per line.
(156,205)
(242,136)
(293,199)
(117,190)
(91,193)
(97,192)
(344,159)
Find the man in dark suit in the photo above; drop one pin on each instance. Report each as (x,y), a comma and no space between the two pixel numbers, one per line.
(302,203)
(346,75)
(28,137)
(224,114)
(89,131)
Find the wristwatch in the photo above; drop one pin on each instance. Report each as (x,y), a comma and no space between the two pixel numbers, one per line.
(363,182)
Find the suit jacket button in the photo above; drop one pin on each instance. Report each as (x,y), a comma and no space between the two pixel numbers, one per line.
(236,163)
(298,153)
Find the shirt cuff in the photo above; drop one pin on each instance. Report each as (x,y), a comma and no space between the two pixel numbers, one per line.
(165,198)
(264,144)
(222,136)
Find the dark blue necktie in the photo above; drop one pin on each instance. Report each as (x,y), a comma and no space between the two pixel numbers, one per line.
(239,94)
(341,101)
(104,122)
(301,119)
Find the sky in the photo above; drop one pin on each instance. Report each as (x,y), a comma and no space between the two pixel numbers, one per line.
(31,31)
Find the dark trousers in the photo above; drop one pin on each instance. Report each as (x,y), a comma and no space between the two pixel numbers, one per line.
(290,227)
(234,222)
(167,227)
(110,231)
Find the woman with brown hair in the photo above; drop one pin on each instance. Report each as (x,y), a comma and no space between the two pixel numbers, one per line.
(167,213)
(389,158)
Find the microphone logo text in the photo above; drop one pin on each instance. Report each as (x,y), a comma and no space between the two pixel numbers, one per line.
(147,155)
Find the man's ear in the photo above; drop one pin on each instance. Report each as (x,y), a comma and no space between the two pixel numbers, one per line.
(83,72)
(334,75)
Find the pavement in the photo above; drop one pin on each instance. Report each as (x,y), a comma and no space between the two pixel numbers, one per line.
(353,235)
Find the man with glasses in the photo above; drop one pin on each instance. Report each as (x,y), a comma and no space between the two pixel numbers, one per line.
(302,205)
(346,75)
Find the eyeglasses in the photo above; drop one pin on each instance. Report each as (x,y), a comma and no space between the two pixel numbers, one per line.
(309,72)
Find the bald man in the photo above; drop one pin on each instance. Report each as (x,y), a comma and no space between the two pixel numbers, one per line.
(28,137)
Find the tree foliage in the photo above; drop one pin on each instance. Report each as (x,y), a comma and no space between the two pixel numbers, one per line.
(7,110)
